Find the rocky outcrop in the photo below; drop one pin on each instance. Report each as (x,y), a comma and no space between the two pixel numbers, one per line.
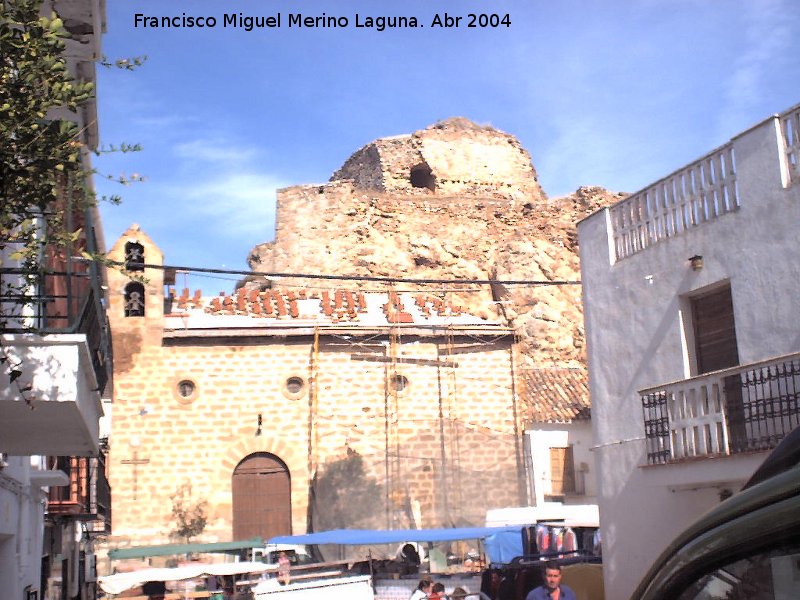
(455,200)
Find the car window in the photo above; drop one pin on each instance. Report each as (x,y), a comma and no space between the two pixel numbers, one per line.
(772,574)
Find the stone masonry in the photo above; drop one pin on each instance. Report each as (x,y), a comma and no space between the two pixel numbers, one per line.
(443,447)
(455,200)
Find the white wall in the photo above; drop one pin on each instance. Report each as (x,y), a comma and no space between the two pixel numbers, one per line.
(544,436)
(21,529)
(635,339)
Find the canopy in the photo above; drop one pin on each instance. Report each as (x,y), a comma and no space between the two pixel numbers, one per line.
(173,549)
(364,537)
(116,584)
(502,543)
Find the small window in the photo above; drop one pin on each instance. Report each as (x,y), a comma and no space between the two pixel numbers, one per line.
(134,299)
(186,388)
(294,387)
(134,256)
(185,391)
(399,382)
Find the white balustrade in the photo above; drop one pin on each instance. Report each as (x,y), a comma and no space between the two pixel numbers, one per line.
(700,192)
(790,128)
(763,397)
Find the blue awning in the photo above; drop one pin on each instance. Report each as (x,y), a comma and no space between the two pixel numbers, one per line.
(364,537)
(502,543)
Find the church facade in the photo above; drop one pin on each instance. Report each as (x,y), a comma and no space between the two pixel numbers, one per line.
(284,409)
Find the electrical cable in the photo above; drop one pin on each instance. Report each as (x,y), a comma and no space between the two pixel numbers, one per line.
(532,282)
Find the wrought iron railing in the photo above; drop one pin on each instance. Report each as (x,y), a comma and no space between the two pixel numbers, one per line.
(62,295)
(742,409)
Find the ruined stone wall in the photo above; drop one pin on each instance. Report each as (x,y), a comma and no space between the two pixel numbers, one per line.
(460,156)
(337,228)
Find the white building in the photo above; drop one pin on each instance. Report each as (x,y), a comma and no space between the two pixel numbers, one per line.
(690,291)
(54,366)
(558,437)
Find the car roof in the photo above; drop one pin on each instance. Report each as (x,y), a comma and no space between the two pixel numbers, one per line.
(785,456)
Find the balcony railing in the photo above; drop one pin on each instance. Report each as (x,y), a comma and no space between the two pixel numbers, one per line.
(88,495)
(700,192)
(62,296)
(790,127)
(742,409)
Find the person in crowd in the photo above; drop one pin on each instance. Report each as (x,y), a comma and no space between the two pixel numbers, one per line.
(284,568)
(458,593)
(552,589)
(423,589)
(437,591)
(409,558)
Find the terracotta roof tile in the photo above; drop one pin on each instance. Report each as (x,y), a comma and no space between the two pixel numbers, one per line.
(557,395)
(336,306)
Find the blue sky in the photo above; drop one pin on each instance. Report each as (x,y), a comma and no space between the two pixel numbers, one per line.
(612,93)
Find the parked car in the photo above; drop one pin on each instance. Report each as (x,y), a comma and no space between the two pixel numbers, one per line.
(748,547)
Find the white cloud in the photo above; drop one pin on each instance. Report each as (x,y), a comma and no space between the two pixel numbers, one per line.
(215,151)
(234,204)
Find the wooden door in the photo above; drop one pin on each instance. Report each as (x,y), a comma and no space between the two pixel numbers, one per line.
(262,502)
(562,471)
(714,331)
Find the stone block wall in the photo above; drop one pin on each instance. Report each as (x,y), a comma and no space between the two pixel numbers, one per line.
(454,466)
(441,448)
(460,156)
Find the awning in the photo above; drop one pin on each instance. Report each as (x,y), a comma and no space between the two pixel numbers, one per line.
(174,549)
(502,543)
(120,582)
(365,537)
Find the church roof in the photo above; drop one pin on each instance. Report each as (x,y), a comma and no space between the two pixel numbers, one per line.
(557,395)
(276,308)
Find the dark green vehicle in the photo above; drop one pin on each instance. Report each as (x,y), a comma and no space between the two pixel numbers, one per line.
(747,548)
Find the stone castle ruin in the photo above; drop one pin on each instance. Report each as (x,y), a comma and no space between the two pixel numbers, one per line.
(454,200)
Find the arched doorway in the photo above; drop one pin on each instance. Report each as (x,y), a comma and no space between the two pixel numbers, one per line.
(262,498)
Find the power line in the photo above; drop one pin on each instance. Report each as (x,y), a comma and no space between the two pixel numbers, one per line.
(531,282)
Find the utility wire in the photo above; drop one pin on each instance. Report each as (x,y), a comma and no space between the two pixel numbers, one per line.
(532,282)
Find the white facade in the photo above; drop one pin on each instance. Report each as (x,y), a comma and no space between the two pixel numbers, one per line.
(541,439)
(739,209)
(49,388)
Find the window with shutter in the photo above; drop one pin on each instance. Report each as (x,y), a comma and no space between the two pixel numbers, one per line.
(714,330)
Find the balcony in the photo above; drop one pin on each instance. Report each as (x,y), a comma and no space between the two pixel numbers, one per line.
(700,192)
(88,495)
(744,409)
(55,348)
(61,300)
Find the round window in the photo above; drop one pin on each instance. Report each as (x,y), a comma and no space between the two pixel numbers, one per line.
(186,389)
(294,387)
(399,382)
